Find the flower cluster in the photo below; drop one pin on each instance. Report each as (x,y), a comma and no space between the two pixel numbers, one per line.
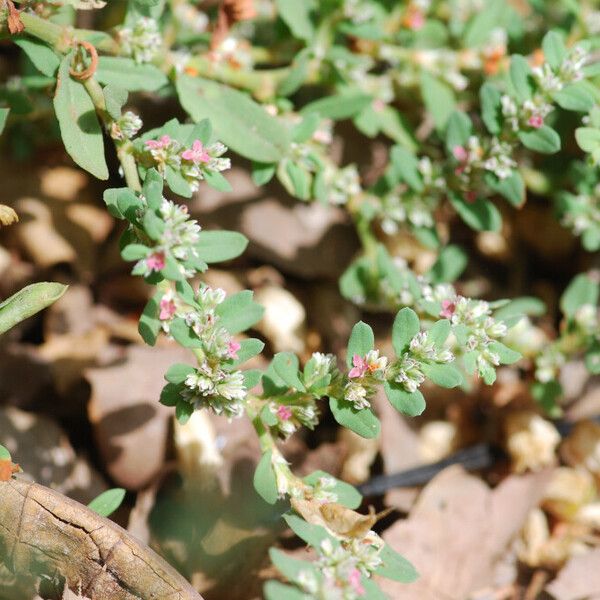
(176,238)
(341,569)
(142,41)
(408,370)
(366,372)
(294,414)
(581,213)
(495,157)
(213,384)
(126,126)
(342,184)
(193,163)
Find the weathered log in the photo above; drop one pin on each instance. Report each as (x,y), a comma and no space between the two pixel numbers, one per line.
(44,534)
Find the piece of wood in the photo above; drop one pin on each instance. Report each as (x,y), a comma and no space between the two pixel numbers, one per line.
(44,534)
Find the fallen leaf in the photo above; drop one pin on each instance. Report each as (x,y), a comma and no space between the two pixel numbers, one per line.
(579,579)
(458,531)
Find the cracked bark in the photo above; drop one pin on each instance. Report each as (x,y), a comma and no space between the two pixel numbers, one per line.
(45,535)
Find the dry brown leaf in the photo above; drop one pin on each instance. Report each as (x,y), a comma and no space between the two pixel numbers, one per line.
(458,531)
(579,579)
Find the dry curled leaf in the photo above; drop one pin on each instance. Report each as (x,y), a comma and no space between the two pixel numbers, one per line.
(8,469)
(15,25)
(8,216)
(458,531)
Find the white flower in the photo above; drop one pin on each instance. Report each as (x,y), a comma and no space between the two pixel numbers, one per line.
(356,394)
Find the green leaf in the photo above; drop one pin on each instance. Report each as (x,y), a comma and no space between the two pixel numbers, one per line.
(217,181)
(177,182)
(408,403)
(480,215)
(406,167)
(248,349)
(178,373)
(296,15)
(44,58)
(79,127)
(184,334)
(252,378)
(27,302)
(170,395)
(265,481)
(299,180)
(4,453)
(114,98)
(592,358)
(451,262)
(312,534)
(275,590)
(554,49)
(575,97)
(297,74)
(3,116)
(238,121)
(219,246)
(527,305)
(491,107)
(262,173)
(239,312)
(544,140)
(511,187)
(506,354)
(521,77)
(106,503)
(439,332)
(363,422)
(183,411)
(129,75)
(149,325)
(201,131)
(289,566)
(134,252)
(458,130)
(582,290)
(406,326)
(444,375)
(547,395)
(439,99)
(361,341)
(395,566)
(153,188)
(588,138)
(338,107)
(285,364)
(347,494)
(489,17)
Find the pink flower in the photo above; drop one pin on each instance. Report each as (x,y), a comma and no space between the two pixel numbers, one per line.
(535,121)
(448,308)
(460,154)
(354,581)
(284,412)
(156,261)
(167,308)
(378,105)
(232,349)
(360,366)
(415,21)
(196,153)
(470,197)
(163,142)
